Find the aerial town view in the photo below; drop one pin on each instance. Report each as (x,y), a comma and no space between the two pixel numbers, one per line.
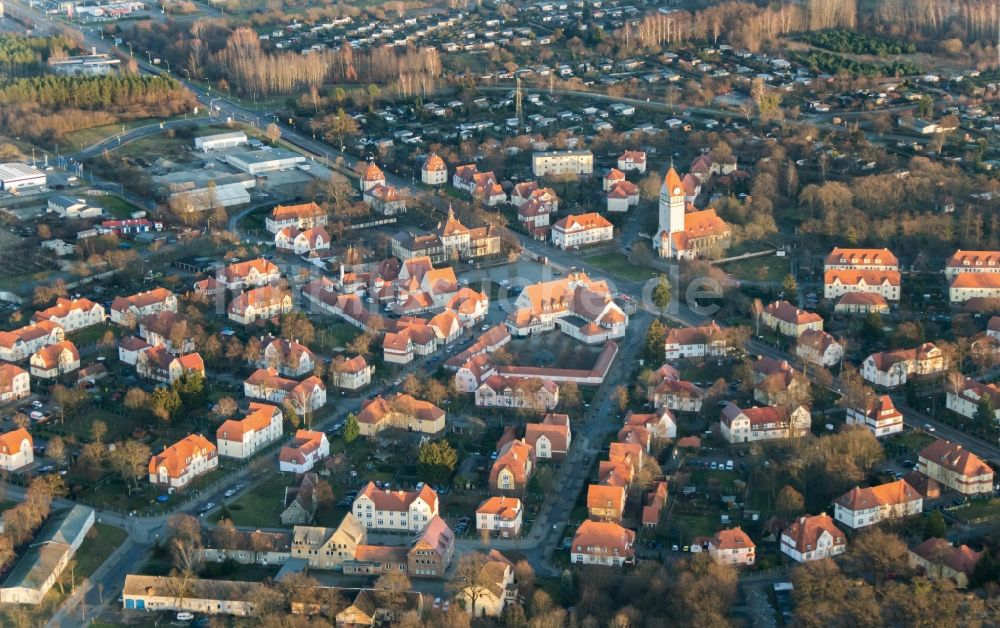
(521,313)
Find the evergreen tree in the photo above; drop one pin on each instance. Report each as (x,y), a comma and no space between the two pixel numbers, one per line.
(351,428)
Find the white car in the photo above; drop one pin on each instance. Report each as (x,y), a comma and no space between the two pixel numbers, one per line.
(185,616)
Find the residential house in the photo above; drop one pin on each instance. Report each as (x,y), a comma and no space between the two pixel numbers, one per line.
(515,392)
(766,423)
(622,196)
(160,365)
(567,162)
(163,328)
(328,548)
(669,392)
(550,438)
(354,374)
(819,348)
(860,259)
(776,383)
(696,342)
(128,310)
(383,509)
(430,555)
(289,357)
(879,415)
(241,439)
(732,547)
(298,217)
(632,160)
(464,177)
(306,242)
(575,231)
(957,468)
(249,274)
(789,320)
(16,449)
(862,507)
(884,283)
(962,262)
(611,178)
(448,242)
(371,175)
(385,199)
(20,343)
(892,369)
(401,411)
(939,559)
(306,449)
(813,537)
(260,304)
(660,424)
(970,396)
(55,360)
(71,315)
(495,588)
(501,515)
(513,468)
(652,509)
(606,502)
(973,285)
(602,543)
(129,349)
(300,501)
(305,396)
(579,306)
(15,383)
(433,171)
(177,465)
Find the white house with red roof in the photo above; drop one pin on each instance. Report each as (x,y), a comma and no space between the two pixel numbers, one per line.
(813,537)
(142,304)
(249,274)
(51,361)
(763,423)
(288,357)
(971,262)
(15,383)
(16,449)
(72,314)
(732,547)
(581,230)
(311,240)
(242,438)
(892,369)
(384,509)
(862,507)
(819,348)
(260,304)
(967,398)
(433,171)
(299,217)
(20,343)
(158,364)
(606,544)
(872,271)
(177,465)
(879,415)
(354,373)
(267,384)
(576,304)
(551,438)
(306,449)
(622,196)
(695,342)
(611,178)
(501,515)
(632,160)
(371,175)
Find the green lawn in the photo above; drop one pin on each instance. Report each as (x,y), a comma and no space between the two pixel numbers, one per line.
(79,426)
(978,509)
(335,335)
(766,268)
(87,137)
(100,542)
(116,207)
(690,526)
(618,264)
(260,507)
(89,335)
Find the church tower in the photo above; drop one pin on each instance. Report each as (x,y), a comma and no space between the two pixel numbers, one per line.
(671,212)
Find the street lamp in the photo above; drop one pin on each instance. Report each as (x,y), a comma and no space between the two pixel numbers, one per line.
(129,49)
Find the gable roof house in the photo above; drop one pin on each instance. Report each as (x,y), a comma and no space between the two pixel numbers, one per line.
(891,369)
(766,423)
(819,348)
(306,449)
(249,274)
(602,543)
(259,304)
(288,357)
(71,314)
(262,425)
(177,465)
(160,365)
(16,449)
(161,328)
(579,306)
(513,468)
(550,438)
(299,217)
(401,411)
(54,360)
(813,537)
(19,344)
(125,309)
(862,507)
(938,558)
(879,415)
(789,320)
(305,396)
(955,467)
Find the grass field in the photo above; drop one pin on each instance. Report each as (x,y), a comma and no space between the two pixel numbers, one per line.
(87,137)
(96,549)
(618,264)
(261,507)
(977,509)
(766,268)
(116,207)
(79,426)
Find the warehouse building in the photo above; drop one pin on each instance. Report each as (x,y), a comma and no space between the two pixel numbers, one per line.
(265,160)
(15,175)
(220,141)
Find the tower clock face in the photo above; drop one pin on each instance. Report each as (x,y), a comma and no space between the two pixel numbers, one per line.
(677,191)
